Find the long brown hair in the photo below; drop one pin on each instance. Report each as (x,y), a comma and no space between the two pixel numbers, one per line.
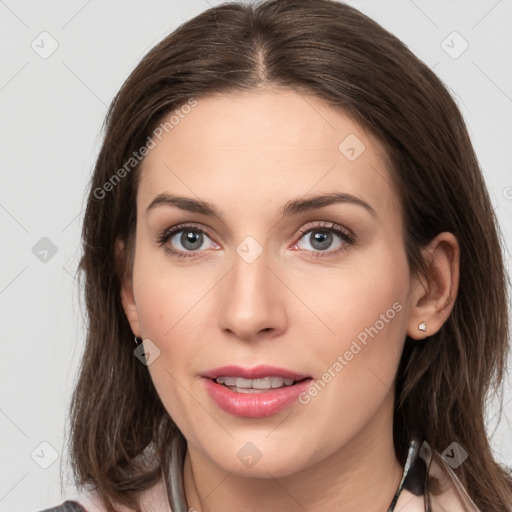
(330,50)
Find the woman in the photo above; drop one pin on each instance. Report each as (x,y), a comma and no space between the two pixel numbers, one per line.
(288,217)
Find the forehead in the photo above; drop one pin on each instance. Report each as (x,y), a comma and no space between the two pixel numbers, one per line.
(267,145)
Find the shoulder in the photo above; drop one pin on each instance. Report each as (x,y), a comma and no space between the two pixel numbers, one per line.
(67,506)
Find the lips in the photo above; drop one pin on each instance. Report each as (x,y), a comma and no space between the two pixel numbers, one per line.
(254,392)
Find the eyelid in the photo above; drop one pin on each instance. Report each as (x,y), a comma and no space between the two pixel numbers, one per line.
(320,225)
(182,227)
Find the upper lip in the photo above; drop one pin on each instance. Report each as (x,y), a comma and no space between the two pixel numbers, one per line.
(256,372)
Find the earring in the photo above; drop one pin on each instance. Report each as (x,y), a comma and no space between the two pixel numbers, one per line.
(136,340)
(422,327)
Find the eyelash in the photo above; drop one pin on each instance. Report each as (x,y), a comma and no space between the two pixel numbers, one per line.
(346,236)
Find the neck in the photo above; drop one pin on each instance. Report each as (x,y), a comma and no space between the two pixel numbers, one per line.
(364,474)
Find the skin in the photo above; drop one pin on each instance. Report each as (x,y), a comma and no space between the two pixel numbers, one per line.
(249,154)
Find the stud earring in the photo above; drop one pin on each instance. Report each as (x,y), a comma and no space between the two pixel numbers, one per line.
(422,327)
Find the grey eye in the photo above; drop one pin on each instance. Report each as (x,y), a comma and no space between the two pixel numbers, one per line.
(190,240)
(320,240)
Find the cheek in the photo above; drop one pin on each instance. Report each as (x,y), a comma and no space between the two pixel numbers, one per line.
(167,295)
(362,301)
(176,314)
(365,312)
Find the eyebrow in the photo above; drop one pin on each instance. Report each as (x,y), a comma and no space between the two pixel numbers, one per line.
(292,207)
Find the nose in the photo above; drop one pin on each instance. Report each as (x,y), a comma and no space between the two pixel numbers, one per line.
(251,300)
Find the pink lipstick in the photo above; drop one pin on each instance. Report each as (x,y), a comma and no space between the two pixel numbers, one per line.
(254,392)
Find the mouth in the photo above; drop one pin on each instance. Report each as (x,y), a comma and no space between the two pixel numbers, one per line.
(254,392)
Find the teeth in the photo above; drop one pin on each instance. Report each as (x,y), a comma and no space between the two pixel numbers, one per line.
(264,383)
(242,383)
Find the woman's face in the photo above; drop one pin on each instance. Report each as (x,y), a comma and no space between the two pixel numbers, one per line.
(316,289)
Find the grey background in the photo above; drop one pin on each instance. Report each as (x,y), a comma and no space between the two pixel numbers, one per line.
(52,111)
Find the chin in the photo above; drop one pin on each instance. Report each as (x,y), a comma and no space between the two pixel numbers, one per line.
(261,459)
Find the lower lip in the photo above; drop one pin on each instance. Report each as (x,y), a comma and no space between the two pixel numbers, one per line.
(254,405)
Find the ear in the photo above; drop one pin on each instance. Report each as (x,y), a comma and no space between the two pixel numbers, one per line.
(126,282)
(433,295)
